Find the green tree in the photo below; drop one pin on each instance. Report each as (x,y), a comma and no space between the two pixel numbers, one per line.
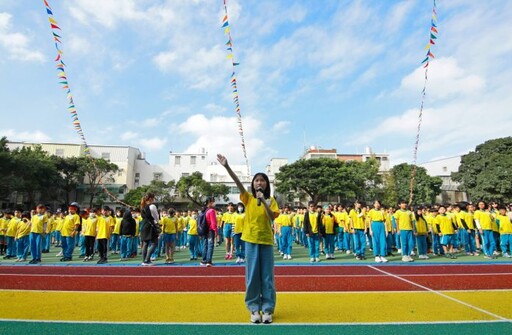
(324,177)
(6,169)
(164,193)
(425,189)
(196,189)
(72,174)
(486,173)
(35,173)
(96,171)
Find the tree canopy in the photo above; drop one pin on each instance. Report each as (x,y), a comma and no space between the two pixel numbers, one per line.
(164,193)
(196,189)
(486,173)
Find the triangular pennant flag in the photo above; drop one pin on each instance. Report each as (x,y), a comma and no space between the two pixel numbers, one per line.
(49,11)
(56,35)
(52,20)
(226,30)
(225,18)
(432,36)
(432,42)
(58,58)
(434,30)
(425,60)
(230,56)
(433,24)
(56,40)
(426,65)
(236,64)
(46,3)
(54,26)
(430,54)
(427,47)
(225,24)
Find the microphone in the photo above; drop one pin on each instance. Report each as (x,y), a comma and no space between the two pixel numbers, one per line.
(259,199)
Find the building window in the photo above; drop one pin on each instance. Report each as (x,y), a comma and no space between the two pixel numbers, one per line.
(192,160)
(203,158)
(157,176)
(177,160)
(120,172)
(105,156)
(184,174)
(59,152)
(445,169)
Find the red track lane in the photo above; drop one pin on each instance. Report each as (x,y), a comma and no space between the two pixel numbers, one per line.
(231,279)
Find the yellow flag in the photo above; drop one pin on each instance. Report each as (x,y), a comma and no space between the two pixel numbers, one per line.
(52,20)
(226,31)
(230,56)
(428,46)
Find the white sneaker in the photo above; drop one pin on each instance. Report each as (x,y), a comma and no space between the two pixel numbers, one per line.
(377,259)
(285,256)
(242,260)
(59,254)
(399,251)
(255,317)
(327,256)
(383,260)
(348,252)
(413,253)
(312,260)
(237,260)
(317,259)
(267,318)
(405,259)
(409,259)
(289,256)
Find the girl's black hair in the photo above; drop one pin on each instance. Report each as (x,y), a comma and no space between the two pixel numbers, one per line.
(266,191)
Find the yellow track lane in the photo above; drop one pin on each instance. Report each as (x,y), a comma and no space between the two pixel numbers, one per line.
(312,307)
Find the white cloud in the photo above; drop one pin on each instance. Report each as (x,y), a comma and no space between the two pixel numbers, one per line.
(153,144)
(129,135)
(447,79)
(219,134)
(25,136)
(151,122)
(16,45)
(283,127)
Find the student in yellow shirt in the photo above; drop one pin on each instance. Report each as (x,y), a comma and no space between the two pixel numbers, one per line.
(261,210)
(10,233)
(170,227)
(437,248)
(23,237)
(89,229)
(237,234)
(447,229)
(59,222)
(421,232)
(103,231)
(484,223)
(70,228)
(330,224)
(136,237)
(115,238)
(3,228)
(285,232)
(312,222)
(50,228)
(378,232)
(39,222)
(503,220)
(405,227)
(358,228)
(193,238)
(228,220)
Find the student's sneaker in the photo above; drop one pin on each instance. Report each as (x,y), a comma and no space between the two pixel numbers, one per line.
(237,260)
(255,317)
(495,253)
(202,263)
(505,254)
(317,259)
(209,264)
(60,254)
(285,257)
(266,318)
(413,253)
(226,257)
(405,259)
(359,258)
(242,260)
(410,259)
(423,257)
(377,259)
(399,250)
(322,252)
(312,260)
(348,252)
(476,254)
(289,256)
(452,256)
(383,260)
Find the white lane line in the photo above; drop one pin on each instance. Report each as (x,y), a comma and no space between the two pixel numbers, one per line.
(442,295)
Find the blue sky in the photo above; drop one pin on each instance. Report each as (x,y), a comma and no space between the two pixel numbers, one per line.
(333,74)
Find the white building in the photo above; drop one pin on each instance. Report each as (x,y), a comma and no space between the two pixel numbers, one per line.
(444,168)
(383,159)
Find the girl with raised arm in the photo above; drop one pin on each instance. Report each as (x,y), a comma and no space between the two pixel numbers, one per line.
(260,210)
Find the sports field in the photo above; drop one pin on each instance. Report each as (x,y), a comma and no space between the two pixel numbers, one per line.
(465,296)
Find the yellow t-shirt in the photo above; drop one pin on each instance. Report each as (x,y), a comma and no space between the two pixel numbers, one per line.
(39,221)
(328,222)
(421,226)
(50,226)
(59,222)
(312,221)
(68,226)
(388,222)
(89,226)
(445,223)
(3,226)
(505,225)
(169,225)
(117,226)
(376,214)
(239,223)
(137,225)
(23,229)
(228,218)
(12,226)
(285,220)
(484,218)
(192,226)
(357,219)
(404,219)
(103,225)
(257,226)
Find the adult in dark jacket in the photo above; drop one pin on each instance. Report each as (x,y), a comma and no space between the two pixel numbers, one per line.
(127,232)
(150,228)
(313,228)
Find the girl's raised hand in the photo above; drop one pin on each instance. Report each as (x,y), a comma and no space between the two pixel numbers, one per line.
(222,160)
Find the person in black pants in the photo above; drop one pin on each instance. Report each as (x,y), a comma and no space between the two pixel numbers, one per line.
(150,228)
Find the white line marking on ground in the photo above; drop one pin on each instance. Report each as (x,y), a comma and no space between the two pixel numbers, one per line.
(443,295)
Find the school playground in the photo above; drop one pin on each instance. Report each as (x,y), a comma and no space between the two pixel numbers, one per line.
(438,296)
